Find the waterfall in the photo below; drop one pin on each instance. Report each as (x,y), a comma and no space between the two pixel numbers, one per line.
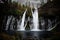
(12,24)
(35,20)
(21,26)
(45,24)
(8,22)
(50,26)
(42,23)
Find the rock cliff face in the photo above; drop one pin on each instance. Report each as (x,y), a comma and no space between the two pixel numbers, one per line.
(51,8)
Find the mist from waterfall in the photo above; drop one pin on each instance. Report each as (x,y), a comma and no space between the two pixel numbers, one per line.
(21,26)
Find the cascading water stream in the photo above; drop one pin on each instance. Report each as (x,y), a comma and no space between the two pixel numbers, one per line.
(35,26)
(12,24)
(8,22)
(42,23)
(21,26)
(50,26)
(35,20)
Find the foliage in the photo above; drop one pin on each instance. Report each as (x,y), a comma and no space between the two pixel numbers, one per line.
(13,8)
